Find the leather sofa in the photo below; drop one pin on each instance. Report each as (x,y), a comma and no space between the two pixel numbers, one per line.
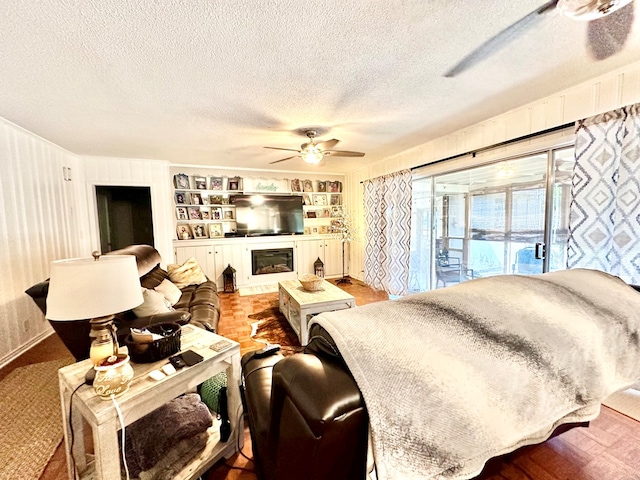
(198,304)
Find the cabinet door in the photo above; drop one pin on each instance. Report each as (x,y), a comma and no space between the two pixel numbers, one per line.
(307,252)
(333,257)
(234,255)
(202,253)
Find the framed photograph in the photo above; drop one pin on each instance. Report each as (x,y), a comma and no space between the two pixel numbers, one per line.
(200,182)
(295,185)
(336,199)
(314,230)
(234,183)
(196,199)
(216,213)
(215,183)
(311,214)
(199,230)
(194,213)
(182,198)
(334,187)
(225,201)
(326,212)
(205,199)
(206,213)
(181,213)
(307,186)
(215,199)
(307,231)
(322,186)
(184,232)
(319,199)
(215,230)
(228,215)
(181,181)
(324,229)
(306,199)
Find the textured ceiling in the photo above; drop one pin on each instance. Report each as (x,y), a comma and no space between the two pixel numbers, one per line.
(212,82)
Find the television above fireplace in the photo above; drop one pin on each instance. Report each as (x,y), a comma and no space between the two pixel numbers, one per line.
(258,215)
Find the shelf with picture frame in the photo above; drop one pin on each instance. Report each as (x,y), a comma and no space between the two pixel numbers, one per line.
(207,183)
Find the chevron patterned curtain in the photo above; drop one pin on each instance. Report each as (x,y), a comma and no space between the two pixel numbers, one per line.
(604,222)
(387,210)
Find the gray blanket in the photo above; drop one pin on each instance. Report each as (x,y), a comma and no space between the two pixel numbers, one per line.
(456,376)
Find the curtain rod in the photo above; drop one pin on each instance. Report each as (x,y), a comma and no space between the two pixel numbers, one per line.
(473,153)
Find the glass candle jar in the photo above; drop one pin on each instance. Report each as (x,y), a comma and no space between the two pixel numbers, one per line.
(113,376)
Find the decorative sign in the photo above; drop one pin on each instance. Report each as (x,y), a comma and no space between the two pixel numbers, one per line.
(266,185)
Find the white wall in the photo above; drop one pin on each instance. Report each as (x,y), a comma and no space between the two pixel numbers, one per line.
(36,227)
(601,94)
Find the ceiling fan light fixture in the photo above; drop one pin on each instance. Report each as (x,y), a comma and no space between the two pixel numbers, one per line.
(588,10)
(312,155)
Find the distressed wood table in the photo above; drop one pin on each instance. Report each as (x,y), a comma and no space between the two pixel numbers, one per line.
(299,305)
(144,396)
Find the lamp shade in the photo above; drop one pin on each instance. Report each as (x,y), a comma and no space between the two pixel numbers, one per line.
(82,288)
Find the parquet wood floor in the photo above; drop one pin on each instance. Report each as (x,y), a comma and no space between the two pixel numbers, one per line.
(608,450)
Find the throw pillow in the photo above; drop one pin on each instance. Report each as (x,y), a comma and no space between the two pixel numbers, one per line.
(154,277)
(170,291)
(154,303)
(189,273)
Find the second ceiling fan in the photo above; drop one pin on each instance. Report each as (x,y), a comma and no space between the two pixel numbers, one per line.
(313,153)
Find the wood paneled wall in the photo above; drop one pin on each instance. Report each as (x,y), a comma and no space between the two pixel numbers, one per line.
(607,92)
(35,229)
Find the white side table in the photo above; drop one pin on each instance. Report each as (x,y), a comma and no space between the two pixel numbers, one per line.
(144,396)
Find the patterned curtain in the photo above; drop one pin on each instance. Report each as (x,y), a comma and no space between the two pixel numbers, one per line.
(387,213)
(604,222)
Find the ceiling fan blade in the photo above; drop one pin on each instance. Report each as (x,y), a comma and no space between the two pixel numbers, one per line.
(501,39)
(606,36)
(287,149)
(283,159)
(328,144)
(342,153)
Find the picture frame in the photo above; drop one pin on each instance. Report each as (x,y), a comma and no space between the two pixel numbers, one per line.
(181,213)
(306,199)
(324,229)
(225,201)
(196,199)
(334,187)
(199,230)
(215,183)
(181,180)
(319,199)
(199,182)
(307,186)
(234,183)
(215,230)
(314,230)
(184,232)
(311,214)
(295,185)
(228,214)
(216,213)
(336,199)
(181,198)
(194,213)
(307,231)
(322,186)
(326,212)
(215,199)
(206,213)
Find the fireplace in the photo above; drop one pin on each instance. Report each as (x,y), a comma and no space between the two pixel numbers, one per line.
(274,260)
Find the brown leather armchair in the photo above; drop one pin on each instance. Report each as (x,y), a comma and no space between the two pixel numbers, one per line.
(198,304)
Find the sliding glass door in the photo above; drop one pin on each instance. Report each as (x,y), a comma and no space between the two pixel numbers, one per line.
(491,220)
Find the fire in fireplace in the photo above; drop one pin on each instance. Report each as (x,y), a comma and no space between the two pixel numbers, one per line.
(274,260)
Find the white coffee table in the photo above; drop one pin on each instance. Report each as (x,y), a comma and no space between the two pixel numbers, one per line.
(298,305)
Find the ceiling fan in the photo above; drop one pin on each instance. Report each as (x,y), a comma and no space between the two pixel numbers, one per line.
(605,37)
(313,153)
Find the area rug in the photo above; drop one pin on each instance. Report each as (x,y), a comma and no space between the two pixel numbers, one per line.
(271,327)
(626,402)
(258,289)
(30,419)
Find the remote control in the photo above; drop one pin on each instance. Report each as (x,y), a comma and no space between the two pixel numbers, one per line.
(266,351)
(220,345)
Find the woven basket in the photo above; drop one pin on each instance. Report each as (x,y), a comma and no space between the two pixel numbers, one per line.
(158,349)
(311,283)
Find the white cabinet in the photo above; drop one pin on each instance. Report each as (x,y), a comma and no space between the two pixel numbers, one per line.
(329,250)
(202,253)
(236,255)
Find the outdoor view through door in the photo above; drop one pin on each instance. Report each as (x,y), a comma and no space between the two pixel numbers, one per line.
(505,217)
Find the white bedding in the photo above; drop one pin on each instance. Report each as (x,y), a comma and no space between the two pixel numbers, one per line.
(456,376)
